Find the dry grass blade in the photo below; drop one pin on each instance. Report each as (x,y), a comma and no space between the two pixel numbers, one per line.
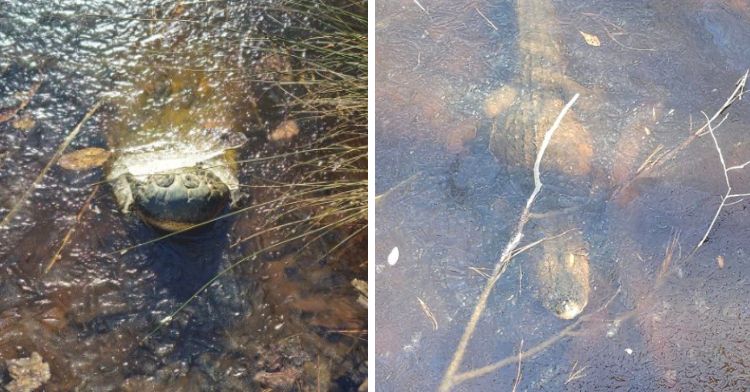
(72,229)
(737,93)
(428,313)
(26,97)
(575,373)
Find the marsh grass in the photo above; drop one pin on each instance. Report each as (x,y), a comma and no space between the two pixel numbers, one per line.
(323,77)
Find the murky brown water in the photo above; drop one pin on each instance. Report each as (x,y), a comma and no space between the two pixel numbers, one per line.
(450,208)
(282,313)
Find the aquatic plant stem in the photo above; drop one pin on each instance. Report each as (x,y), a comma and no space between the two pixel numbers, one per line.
(505,257)
(66,142)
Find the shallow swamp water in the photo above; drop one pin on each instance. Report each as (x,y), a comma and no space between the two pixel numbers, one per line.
(662,313)
(260,300)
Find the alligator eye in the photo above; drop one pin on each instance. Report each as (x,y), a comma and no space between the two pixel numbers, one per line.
(163,180)
(190,181)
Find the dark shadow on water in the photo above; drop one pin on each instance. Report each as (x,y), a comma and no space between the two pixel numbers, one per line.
(185,262)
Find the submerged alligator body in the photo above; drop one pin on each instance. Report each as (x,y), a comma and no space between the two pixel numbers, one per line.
(523,111)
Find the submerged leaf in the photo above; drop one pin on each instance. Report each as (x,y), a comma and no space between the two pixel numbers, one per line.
(590,39)
(24,123)
(84,159)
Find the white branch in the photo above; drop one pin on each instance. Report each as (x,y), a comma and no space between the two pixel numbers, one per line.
(728,194)
(718,149)
(742,166)
(449,378)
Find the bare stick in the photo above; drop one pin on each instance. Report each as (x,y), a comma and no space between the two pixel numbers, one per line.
(480,272)
(474,373)
(505,257)
(537,242)
(726,170)
(737,167)
(9,216)
(536,350)
(26,97)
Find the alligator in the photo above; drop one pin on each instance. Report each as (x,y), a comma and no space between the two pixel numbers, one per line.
(523,110)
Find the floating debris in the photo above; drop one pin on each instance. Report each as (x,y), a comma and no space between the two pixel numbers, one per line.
(24,123)
(361,287)
(428,312)
(285,132)
(282,380)
(393,256)
(28,374)
(591,39)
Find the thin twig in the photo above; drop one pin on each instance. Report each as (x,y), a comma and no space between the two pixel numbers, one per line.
(728,194)
(737,93)
(474,373)
(650,160)
(8,114)
(485,18)
(480,272)
(737,167)
(420,6)
(505,258)
(16,207)
(534,351)
(537,242)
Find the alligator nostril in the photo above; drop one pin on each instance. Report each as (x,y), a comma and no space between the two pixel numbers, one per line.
(163,180)
(190,181)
